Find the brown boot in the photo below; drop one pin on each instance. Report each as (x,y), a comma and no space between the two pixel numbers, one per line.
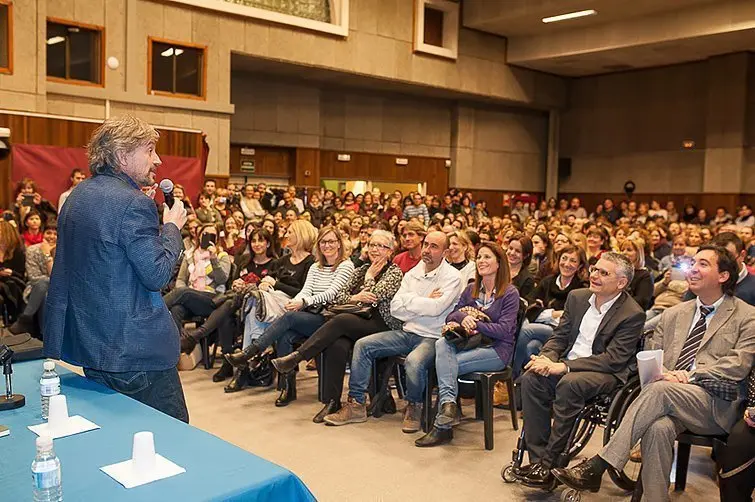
(351,413)
(412,416)
(500,394)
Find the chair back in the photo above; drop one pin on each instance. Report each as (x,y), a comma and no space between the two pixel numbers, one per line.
(520,316)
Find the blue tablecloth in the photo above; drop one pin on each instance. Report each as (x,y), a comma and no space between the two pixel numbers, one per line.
(215,469)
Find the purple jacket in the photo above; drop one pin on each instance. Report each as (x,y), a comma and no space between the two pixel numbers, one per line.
(502,314)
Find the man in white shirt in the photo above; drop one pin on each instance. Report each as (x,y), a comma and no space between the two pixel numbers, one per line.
(427,295)
(708,352)
(587,355)
(77,176)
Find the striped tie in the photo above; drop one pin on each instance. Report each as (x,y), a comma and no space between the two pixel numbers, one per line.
(689,351)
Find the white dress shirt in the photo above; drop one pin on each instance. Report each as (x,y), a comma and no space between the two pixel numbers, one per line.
(588,328)
(422,315)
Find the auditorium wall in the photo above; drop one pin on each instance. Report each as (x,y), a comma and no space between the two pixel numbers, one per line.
(631,126)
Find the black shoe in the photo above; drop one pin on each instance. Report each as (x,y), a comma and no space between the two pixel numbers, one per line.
(448,414)
(287,364)
(581,477)
(389,405)
(188,343)
(238,382)
(435,437)
(521,471)
(24,324)
(224,372)
(288,393)
(539,477)
(241,359)
(332,407)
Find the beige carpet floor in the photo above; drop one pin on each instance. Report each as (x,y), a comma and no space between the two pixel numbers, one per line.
(375,461)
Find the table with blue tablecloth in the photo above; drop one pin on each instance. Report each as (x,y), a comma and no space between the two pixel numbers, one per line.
(215,469)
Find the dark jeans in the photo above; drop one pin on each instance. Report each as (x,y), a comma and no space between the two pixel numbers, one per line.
(36,301)
(737,486)
(292,326)
(567,395)
(160,390)
(336,338)
(186,302)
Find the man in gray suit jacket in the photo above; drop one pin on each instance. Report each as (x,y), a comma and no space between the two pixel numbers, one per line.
(587,355)
(104,309)
(708,350)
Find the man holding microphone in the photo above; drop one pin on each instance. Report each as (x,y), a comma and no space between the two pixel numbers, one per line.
(104,308)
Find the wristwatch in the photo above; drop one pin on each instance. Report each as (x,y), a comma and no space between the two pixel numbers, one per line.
(48,257)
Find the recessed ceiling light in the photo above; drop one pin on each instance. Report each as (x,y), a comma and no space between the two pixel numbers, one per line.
(570,15)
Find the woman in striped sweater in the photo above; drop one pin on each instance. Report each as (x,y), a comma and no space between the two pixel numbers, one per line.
(330,272)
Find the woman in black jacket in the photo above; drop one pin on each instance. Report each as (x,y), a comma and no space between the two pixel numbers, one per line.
(12,270)
(546,303)
(519,255)
(641,287)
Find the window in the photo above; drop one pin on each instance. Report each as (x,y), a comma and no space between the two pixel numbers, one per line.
(436,27)
(176,69)
(6,36)
(75,52)
(317,10)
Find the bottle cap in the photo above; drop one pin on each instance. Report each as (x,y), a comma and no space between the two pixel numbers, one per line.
(49,365)
(44,442)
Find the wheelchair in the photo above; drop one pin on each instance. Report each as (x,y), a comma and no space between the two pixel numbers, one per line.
(606,411)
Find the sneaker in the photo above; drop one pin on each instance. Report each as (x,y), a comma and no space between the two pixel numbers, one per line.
(351,413)
(412,415)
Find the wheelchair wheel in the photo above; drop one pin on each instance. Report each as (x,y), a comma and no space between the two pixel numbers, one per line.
(507,473)
(583,431)
(625,479)
(571,495)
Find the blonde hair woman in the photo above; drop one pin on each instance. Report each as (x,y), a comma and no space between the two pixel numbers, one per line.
(641,287)
(461,255)
(330,272)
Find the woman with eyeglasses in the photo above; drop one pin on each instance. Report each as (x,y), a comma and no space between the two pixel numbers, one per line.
(546,304)
(303,316)
(371,286)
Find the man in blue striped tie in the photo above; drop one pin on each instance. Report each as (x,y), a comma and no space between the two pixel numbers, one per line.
(708,352)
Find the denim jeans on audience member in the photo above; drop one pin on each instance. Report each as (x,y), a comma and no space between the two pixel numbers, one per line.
(36,301)
(420,357)
(449,364)
(160,390)
(292,326)
(531,339)
(187,302)
(253,327)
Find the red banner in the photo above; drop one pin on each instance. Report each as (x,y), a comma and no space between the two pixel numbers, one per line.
(50,167)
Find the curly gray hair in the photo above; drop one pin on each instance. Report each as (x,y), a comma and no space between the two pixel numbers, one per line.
(116,137)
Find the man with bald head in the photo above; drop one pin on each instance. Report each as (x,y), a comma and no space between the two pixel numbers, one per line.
(427,295)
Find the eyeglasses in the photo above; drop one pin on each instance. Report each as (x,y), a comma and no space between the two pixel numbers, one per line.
(602,272)
(375,245)
(329,242)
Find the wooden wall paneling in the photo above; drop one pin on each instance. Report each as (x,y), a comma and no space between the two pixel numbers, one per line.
(268,161)
(307,167)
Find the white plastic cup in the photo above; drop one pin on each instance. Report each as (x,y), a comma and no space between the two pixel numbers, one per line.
(58,413)
(143,455)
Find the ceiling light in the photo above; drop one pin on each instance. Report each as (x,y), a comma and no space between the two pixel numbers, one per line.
(571,15)
(169,52)
(55,40)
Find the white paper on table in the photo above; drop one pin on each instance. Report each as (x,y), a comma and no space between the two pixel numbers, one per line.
(74,425)
(649,365)
(125,474)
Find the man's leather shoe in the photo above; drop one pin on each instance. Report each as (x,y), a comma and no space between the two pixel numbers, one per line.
(522,470)
(332,407)
(435,437)
(581,477)
(448,414)
(539,476)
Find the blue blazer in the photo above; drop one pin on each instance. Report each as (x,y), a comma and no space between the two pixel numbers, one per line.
(104,310)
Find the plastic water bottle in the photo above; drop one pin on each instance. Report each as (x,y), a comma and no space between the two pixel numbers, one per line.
(49,385)
(45,473)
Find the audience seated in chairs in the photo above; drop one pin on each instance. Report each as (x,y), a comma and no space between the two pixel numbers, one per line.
(39,262)
(588,354)
(325,278)
(28,199)
(641,287)
(262,306)
(12,271)
(202,276)
(461,255)
(546,304)
(708,351)
(427,295)
(519,255)
(412,235)
(360,308)
(488,307)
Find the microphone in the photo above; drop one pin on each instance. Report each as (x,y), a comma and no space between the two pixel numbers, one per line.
(167,188)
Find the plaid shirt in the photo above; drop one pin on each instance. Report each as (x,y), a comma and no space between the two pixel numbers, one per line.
(721,388)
